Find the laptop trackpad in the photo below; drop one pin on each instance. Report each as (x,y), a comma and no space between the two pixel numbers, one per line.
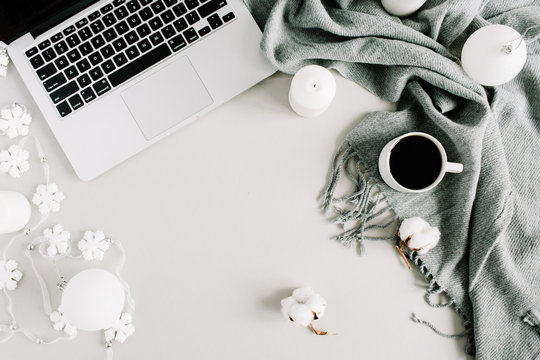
(166,98)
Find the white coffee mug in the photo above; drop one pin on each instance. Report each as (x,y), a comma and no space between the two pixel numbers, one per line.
(384,164)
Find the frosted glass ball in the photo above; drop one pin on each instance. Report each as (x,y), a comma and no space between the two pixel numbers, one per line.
(484,57)
(402,8)
(15,211)
(93,300)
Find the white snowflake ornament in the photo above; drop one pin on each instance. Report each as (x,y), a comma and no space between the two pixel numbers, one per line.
(14,120)
(61,324)
(303,307)
(93,245)
(48,198)
(14,161)
(9,275)
(57,240)
(121,330)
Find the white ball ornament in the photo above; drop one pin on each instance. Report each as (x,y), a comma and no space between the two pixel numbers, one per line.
(402,8)
(15,211)
(494,55)
(93,300)
(312,90)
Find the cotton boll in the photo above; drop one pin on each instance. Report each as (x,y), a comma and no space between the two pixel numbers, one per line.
(302,294)
(286,305)
(317,305)
(411,226)
(425,240)
(301,314)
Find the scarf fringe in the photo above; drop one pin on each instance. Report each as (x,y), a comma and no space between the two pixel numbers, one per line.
(361,210)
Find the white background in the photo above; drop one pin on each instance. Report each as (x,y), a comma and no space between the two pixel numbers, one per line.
(220,221)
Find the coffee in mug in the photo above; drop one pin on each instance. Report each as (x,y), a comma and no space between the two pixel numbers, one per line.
(415,162)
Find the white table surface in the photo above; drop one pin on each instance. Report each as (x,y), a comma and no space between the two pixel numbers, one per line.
(220,221)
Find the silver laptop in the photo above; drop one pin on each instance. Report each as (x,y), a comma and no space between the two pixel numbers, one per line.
(113,77)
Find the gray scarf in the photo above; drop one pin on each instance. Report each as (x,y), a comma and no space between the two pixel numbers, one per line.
(488,259)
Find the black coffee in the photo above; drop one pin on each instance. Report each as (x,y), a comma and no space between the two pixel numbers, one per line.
(415,162)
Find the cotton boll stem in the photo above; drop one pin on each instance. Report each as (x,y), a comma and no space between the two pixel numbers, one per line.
(320,332)
(400,250)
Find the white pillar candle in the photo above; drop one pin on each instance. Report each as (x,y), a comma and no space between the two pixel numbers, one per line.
(312,90)
(402,8)
(15,211)
(494,54)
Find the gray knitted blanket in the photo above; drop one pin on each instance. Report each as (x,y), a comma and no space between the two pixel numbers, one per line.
(488,259)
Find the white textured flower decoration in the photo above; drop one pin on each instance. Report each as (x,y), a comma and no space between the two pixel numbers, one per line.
(48,198)
(93,245)
(14,120)
(14,161)
(61,324)
(121,330)
(9,275)
(4,61)
(57,240)
(418,235)
(303,307)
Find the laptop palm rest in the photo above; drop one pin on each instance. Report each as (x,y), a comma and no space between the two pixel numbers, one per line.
(166,98)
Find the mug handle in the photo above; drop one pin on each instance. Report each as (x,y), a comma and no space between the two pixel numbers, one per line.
(452,167)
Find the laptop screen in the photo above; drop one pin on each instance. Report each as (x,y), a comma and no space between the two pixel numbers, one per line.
(18,17)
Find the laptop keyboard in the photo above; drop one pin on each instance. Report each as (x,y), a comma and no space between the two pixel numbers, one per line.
(120,40)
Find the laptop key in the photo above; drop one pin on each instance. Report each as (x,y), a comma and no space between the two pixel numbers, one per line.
(97,41)
(132,52)
(191,4)
(133,6)
(44,44)
(170,3)
(85,33)
(144,45)
(168,31)
(109,20)
(190,35)
(37,61)
(83,65)
(106,8)
(31,52)
(95,58)
(121,12)
(107,51)
(155,23)
(143,30)
(110,34)
(215,21)
(134,20)
(101,87)
(180,9)
(46,71)
(119,44)
(177,42)
(131,37)
(204,31)
(73,56)
(108,66)
(84,80)
(86,48)
(79,24)
(192,17)
(54,82)
(61,62)
(57,37)
(61,47)
(88,95)
(211,7)
(65,91)
(69,30)
(97,26)
(145,2)
(48,54)
(118,2)
(142,63)
(157,7)
(73,40)
(71,72)
(156,38)
(167,16)
(122,27)
(93,16)
(75,101)
(120,59)
(146,14)
(96,73)
(63,109)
